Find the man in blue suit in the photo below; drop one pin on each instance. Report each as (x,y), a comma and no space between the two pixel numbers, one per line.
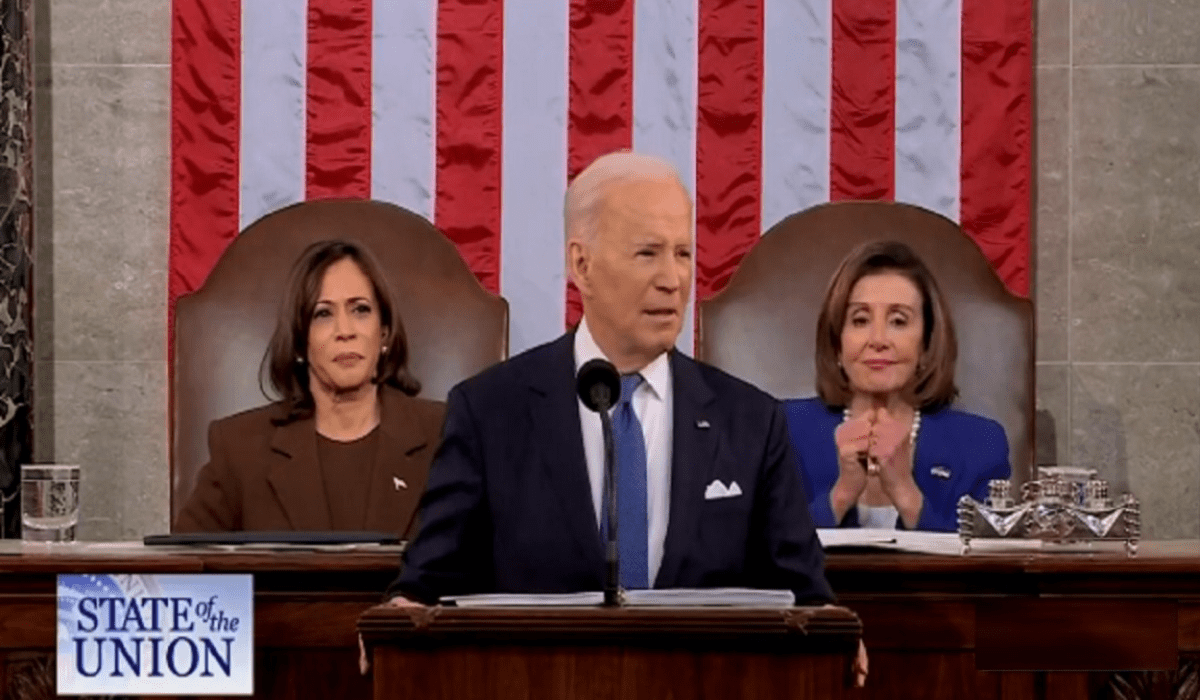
(708,491)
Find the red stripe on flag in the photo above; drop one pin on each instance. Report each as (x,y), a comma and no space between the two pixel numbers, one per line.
(862,110)
(997,75)
(728,138)
(205,122)
(206,96)
(600,88)
(470,52)
(338,143)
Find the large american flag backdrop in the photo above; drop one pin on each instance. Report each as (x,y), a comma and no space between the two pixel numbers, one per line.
(476,114)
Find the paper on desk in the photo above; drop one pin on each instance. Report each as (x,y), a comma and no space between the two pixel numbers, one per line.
(301,547)
(854,537)
(666,597)
(946,543)
(503,600)
(942,543)
(703,597)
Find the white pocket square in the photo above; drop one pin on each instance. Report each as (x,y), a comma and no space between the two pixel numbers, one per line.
(717,490)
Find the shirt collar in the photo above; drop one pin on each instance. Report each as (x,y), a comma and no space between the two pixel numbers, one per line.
(656,374)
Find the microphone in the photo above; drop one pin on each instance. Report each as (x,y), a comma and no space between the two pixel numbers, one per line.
(599,386)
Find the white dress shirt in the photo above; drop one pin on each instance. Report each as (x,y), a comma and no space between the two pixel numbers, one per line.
(652,403)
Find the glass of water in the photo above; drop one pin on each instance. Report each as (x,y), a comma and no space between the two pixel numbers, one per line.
(49,502)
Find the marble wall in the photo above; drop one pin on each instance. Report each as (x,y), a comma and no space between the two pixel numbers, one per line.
(101,173)
(1118,250)
(1118,246)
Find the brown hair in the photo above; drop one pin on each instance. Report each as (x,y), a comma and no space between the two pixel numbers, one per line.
(284,362)
(932,386)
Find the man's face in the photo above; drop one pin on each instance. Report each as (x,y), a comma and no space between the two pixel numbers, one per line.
(635,274)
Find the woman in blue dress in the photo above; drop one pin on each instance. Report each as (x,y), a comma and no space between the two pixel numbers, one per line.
(880,446)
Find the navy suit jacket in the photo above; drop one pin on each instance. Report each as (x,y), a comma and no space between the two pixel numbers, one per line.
(508,506)
(957,454)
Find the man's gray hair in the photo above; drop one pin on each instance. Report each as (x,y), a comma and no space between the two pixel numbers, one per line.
(586,192)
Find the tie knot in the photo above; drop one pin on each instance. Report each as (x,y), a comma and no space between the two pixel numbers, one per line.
(629,384)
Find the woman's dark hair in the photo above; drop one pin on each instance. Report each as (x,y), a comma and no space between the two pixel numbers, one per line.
(284,363)
(933,384)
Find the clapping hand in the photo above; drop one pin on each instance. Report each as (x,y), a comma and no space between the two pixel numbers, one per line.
(876,444)
(891,449)
(889,446)
(853,440)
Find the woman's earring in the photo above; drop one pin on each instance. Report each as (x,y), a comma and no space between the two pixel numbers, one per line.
(383,350)
(299,360)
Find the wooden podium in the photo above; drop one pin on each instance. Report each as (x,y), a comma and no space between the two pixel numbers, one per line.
(611,653)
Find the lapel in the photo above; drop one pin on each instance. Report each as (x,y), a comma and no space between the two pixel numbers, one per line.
(392,504)
(935,449)
(554,418)
(693,455)
(295,476)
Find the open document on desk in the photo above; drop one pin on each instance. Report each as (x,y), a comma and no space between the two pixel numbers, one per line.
(664,597)
(943,543)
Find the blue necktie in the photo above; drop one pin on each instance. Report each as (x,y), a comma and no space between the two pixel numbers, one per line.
(630,446)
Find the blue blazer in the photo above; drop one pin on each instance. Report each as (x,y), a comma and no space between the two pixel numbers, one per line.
(508,506)
(957,454)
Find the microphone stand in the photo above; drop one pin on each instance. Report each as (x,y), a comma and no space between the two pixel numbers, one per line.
(612,577)
(598,384)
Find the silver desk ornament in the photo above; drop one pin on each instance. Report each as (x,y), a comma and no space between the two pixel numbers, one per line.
(1063,504)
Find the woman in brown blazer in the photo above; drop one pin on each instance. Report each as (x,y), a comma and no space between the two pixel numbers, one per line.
(347,446)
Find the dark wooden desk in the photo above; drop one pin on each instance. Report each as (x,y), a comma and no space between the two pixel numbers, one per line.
(923,616)
(1028,625)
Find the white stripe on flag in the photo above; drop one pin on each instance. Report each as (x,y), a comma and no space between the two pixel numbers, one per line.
(403,83)
(797,41)
(533,171)
(928,104)
(274,61)
(664,99)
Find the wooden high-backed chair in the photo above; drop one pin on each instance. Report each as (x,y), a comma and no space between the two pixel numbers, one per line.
(455,328)
(762,326)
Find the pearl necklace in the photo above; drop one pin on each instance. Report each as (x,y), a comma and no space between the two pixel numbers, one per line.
(873,466)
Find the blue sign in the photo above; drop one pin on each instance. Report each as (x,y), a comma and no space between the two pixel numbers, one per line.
(156,634)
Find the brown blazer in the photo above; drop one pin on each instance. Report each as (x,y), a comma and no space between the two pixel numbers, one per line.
(266,477)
